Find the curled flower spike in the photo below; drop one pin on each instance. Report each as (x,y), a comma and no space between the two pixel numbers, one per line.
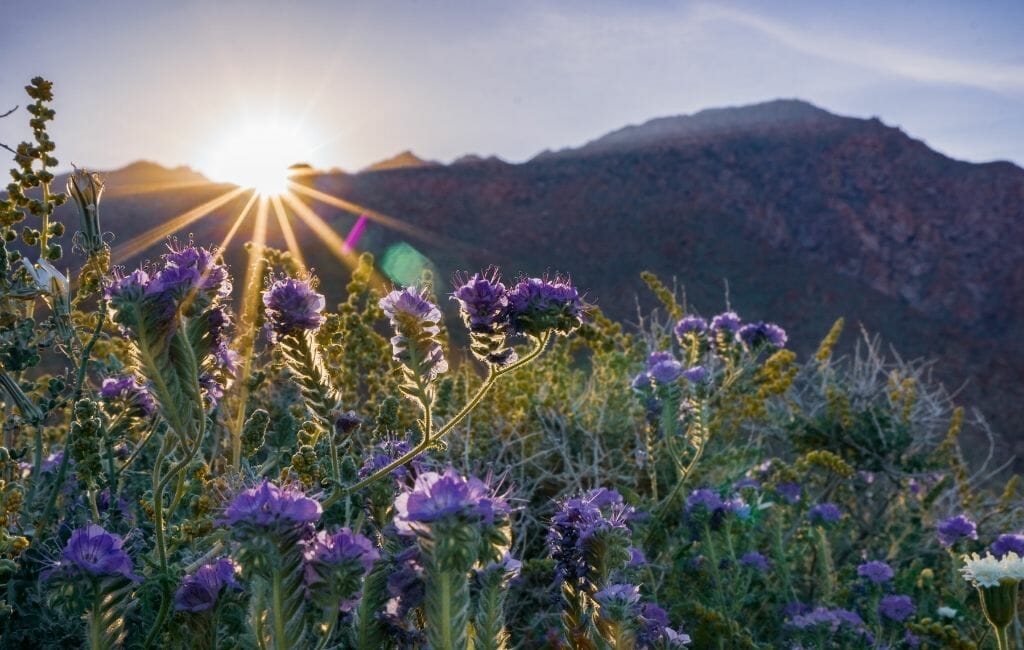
(416,321)
(727,322)
(755,335)
(483,302)
(293,307)
(538,305)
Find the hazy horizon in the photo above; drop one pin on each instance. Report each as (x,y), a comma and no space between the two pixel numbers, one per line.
(356,84)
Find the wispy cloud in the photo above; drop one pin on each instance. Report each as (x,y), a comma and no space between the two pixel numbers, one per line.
(878,57)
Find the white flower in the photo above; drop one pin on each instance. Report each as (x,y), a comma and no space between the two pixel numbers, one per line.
(946,612)
(988,571)
(46,277)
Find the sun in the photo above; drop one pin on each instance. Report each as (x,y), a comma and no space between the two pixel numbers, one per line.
(258,155)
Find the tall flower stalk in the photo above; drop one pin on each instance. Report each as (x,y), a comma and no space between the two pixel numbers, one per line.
(536,309)
(457,522)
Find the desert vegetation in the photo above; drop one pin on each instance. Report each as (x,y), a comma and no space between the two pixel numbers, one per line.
(180,470)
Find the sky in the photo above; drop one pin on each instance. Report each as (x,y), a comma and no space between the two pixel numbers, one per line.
(354,83)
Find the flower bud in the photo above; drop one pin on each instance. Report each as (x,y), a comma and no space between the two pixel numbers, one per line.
(86,188)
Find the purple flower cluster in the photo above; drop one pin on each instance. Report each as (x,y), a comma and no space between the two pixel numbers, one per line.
(537,305)
(267,506)
(92,552)
(875,571)
(706,503)
(654,628)
(755,335)
(694,325)
(384,454)
(335,565)
(416,321)
(598,515)
(727,323)
(824,513)
(1008,543)
(292,307)
(129,394)
(896,607)
(342,547)
(663,369)
(755,561)
(483,302)
(831,619)
(447,496)
(200,591)
(952,530)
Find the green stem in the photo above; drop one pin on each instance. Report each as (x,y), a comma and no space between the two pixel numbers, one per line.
(1002,639)
(492,376)
(96,627)
(277,610)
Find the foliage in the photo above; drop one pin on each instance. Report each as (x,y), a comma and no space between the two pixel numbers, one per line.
(174,476)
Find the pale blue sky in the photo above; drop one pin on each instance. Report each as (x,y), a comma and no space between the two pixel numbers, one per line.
(162,80)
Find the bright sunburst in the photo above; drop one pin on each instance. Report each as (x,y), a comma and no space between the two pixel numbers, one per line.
(258,155)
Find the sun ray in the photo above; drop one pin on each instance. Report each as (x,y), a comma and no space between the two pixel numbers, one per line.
(238,222)
(335,244)
(247,340)
(132,189)
(140,243)
(379,217)
(286,230)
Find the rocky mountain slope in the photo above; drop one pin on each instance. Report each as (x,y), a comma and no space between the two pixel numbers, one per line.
(805,215)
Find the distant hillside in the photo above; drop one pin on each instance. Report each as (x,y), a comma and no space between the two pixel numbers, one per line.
(808,216)
(402,160)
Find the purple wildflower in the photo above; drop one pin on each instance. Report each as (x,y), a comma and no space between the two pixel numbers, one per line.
(126,289)
(641,382)
(435,497)
(384,454)
(691,325)
(209,275)
(953,529)
(727,322)
(268,505)
(761,333)
(755,561)
(666,372)
(696,374)
(92,552)
(824,513)
(173,281)
(200,591)
(1008,543)
(875,571)
(636,558)
(483,302)
(293,307)
(131,394)
(704,500)
(790,491)
(654,627)
(53,461)
(341,547)
(622,595)
(832,619)
(416,323)
(597,516)
(896,607)
(537,305)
